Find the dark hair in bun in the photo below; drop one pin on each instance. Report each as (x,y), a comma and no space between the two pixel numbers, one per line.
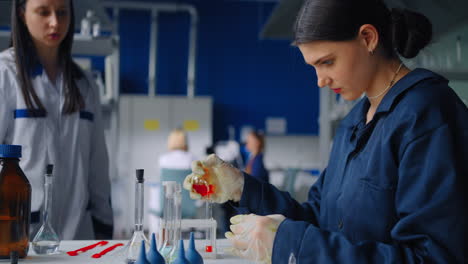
(411,32)
(401,31)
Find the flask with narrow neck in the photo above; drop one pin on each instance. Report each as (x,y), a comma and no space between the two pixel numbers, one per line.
(46,240)
(134,245)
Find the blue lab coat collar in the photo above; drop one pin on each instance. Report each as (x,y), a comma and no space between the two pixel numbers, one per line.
(358,114)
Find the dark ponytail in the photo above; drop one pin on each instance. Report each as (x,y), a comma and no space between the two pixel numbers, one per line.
(401,31)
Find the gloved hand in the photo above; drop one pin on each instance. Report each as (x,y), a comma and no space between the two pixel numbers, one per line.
(214,179)
(252,236)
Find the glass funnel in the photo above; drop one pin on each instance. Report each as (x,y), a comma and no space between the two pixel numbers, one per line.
(46,240)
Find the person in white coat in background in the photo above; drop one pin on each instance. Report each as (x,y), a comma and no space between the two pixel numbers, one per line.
(51,107)
(178,156)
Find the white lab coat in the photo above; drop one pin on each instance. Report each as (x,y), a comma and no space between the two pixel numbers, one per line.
(176,159)
(73,143)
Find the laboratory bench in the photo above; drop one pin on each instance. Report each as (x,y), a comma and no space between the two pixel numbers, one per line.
(113,256)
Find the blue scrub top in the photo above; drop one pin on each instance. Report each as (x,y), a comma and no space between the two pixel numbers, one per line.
(394,189)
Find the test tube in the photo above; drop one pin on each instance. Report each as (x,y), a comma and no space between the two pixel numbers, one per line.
(176,221)
(209,217)
(167,230)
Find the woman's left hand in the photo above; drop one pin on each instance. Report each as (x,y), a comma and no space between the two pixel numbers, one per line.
(252,236)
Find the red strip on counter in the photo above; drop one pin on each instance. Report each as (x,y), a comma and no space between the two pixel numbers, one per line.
(84,249)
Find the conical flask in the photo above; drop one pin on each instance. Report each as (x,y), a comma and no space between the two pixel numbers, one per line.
(133,247)
(46,240)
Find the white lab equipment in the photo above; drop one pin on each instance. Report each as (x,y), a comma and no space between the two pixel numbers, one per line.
(90,25)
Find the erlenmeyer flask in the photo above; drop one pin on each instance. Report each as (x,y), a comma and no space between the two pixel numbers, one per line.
(46,240)
(134,245)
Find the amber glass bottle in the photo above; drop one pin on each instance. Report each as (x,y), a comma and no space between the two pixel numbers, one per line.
(15,204)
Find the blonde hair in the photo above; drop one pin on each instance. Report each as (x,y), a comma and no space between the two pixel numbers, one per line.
(177,140)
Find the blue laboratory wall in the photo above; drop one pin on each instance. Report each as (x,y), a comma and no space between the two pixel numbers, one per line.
(249,79)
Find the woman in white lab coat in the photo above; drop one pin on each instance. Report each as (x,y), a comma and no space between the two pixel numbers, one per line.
(51,107)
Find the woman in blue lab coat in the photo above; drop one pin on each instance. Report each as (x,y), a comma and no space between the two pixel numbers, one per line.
(255,144)
(51,107)
(394,190)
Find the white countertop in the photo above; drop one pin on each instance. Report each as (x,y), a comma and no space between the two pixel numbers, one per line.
(113,256)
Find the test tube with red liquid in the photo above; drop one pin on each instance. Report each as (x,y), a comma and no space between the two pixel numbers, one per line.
(204,186)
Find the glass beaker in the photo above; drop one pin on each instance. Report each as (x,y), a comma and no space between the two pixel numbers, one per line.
(46,241)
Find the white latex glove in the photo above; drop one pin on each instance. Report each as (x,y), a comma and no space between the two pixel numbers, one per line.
(228,181)
(252,236)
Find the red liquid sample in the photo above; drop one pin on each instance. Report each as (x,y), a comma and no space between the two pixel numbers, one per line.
(203,190)
(209,249)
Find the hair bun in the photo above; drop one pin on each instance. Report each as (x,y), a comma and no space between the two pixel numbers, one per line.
(411,32)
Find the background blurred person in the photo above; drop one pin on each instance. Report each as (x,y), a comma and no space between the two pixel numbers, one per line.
(255,144)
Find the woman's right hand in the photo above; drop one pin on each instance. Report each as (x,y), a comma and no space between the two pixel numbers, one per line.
(214,179)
